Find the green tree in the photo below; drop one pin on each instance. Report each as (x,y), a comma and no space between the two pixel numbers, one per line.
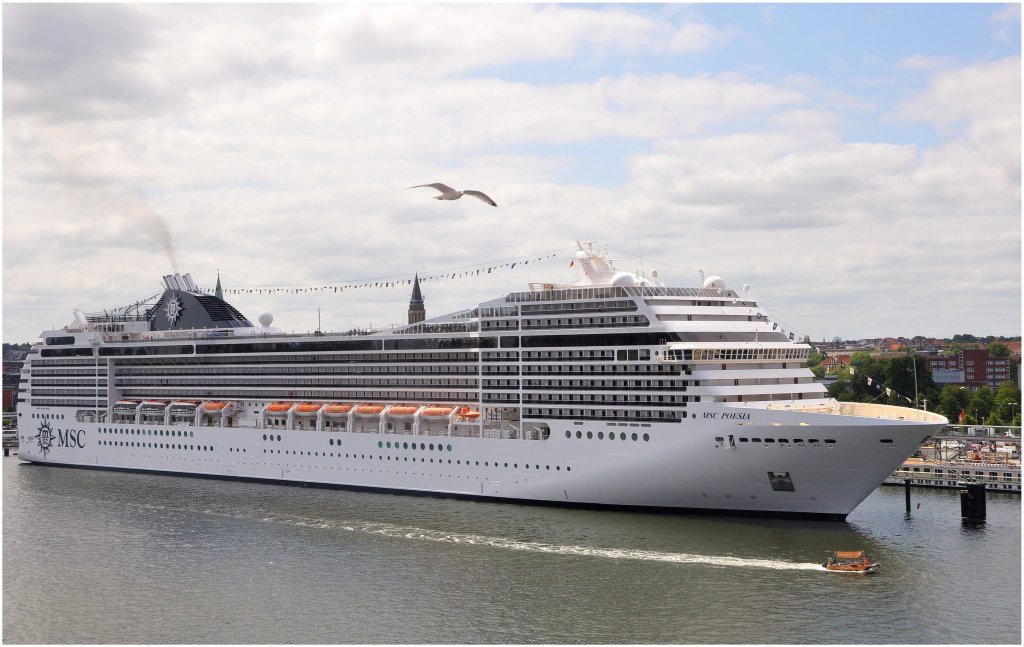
(1006,403)
(998,349)
(980,406)
(952,401)
(900,376)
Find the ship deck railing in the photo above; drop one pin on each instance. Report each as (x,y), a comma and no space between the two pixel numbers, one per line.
(862,410)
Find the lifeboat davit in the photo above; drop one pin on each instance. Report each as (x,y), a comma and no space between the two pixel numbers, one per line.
(308,408)
(279,408)
(369,410)
(337,409)
(437,412)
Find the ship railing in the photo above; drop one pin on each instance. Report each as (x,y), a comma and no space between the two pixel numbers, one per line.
(1005,432)
(500,429)
(957,475)
(861,410)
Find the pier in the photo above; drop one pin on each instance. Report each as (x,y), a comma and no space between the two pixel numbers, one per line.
(10,434)
(962,454)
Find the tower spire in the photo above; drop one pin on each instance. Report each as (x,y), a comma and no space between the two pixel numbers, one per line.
(218,292)
(417,313)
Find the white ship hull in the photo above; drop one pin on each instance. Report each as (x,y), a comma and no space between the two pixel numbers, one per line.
(680,467)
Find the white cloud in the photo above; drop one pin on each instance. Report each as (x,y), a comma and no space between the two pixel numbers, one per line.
(275,143)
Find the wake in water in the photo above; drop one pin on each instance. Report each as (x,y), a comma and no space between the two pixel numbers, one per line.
(505,543)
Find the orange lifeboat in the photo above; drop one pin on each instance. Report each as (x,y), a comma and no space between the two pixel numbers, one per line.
(214,406)
(337,409)
(279,408)
(469,414)
(308,408)
(438,412)
(402,410)
(369,410)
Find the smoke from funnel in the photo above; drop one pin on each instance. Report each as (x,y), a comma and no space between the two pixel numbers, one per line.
(162,234)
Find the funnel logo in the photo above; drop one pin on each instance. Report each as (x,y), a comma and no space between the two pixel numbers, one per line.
(45,438)
(173,310)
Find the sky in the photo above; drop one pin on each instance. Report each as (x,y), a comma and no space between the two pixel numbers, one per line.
(858,166)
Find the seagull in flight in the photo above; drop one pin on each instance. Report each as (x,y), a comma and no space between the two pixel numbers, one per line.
(448,193)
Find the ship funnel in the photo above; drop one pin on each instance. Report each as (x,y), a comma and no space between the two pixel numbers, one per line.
(192,287)
(180,282)
(168,281)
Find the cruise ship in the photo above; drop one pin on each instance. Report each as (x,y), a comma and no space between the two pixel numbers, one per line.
(615,391)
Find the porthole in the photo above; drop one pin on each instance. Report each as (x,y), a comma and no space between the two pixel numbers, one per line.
(647,437)
(405,445)
(579,434)
(622,435)
(600,435)
(431,446)
(634,435)
(279,437)
(590,435)
(449,447)
(380,444)
(568,434)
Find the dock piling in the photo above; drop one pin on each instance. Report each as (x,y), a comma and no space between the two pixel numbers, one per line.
(972,501)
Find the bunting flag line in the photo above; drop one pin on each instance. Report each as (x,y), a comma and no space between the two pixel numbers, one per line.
(335,287)
(879,388)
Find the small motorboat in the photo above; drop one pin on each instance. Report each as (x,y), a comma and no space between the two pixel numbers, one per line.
(849,561)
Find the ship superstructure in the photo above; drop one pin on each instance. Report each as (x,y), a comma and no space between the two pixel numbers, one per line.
(614,391)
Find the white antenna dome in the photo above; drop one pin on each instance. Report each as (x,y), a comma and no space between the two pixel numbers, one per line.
(714,282)
(623,279)
(266,319)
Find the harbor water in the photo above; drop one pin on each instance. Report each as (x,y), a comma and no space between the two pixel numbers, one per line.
(113,557)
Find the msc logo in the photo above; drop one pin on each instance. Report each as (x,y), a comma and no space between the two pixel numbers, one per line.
(74,438)
(71,438)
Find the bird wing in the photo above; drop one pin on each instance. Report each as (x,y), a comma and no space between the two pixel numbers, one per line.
(443,188)
(482,196)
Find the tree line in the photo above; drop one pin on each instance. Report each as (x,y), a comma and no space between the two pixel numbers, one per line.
(955,402)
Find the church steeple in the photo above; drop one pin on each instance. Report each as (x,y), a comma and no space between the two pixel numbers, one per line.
(218,292)
(417,313)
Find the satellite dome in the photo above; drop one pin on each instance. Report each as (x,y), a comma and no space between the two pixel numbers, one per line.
(266,319)
(623,279)
(714,282)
